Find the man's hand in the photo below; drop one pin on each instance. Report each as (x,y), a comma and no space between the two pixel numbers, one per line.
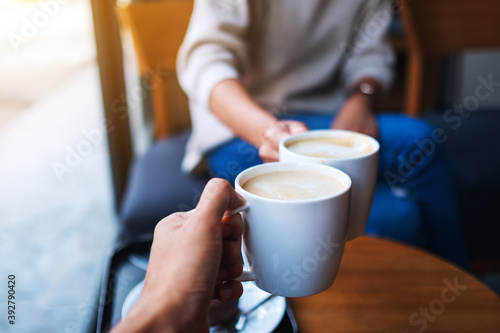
(195,257)
(357,115)
(277,131)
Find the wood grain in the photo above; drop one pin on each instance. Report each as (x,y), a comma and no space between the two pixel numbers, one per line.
(445,26)
(382,286)
(109,57)
(438,27)
(158,29)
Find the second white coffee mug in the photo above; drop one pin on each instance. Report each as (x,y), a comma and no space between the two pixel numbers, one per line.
(362,168)
(294,247)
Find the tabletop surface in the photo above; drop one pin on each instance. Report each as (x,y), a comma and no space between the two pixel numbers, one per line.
(383,286)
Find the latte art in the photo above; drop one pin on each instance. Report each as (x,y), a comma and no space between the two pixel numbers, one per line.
(332,147)
(293,185)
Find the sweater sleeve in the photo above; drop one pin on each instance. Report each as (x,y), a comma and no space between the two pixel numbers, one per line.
(369,53)
(214,48)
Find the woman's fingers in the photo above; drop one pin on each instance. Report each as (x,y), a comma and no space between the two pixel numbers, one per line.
(268,154)
(274,134)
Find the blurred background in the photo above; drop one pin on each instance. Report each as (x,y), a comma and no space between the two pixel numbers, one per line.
(61,180)
(56,226)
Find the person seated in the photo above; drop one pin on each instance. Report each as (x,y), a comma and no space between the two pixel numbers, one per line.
(257,72)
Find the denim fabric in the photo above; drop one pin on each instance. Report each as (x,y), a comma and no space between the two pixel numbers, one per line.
(414,199)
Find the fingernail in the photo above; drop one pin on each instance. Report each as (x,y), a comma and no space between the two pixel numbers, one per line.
(225,293)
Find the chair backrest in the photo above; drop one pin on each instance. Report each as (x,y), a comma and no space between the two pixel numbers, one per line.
(438,27)
(157,29)
(448,26)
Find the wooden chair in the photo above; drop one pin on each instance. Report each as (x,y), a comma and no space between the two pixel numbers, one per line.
(156,186)
(438,27)
(157,29)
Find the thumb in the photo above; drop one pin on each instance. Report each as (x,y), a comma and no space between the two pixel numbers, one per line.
(217,197)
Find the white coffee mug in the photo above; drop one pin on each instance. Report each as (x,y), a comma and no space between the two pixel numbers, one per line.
(362,169)
(293,248)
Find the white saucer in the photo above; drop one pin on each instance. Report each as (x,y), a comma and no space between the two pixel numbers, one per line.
(131,298)
(263,319)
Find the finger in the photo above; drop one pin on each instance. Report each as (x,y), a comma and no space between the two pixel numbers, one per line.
(268,154)
(229,291)
(217,197)
(291,128)
(296,127)
(275,132)
(232,227)
(230,272)
(280,137)
(233,271)
(231,252)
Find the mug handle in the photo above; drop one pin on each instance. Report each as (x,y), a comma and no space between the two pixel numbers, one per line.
(247,274)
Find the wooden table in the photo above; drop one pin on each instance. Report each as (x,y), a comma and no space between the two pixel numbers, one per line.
(383,286)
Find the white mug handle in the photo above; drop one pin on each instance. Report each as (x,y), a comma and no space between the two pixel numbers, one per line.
(247,274)
(239,209)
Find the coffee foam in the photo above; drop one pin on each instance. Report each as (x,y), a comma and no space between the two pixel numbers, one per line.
(332,147)
(293,185)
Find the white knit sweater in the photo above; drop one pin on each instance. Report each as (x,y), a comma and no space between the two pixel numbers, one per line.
(291,55)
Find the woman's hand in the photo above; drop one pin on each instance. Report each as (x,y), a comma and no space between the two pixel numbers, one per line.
(272,136)
(357,115)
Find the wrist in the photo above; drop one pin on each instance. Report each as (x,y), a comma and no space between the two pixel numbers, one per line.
(232,104)
(153,315)
(363,102)
(148,318)
(365,90)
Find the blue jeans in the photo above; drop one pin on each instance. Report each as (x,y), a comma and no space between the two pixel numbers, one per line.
(414,199)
